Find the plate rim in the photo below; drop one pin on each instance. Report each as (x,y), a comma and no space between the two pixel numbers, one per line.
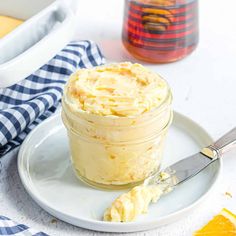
(103,226)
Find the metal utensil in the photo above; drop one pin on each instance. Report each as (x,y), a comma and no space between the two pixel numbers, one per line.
(185,169)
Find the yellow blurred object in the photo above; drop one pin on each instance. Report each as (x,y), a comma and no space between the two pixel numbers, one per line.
(223,224)
(7,24)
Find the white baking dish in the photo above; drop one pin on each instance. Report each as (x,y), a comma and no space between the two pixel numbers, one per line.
(48,27)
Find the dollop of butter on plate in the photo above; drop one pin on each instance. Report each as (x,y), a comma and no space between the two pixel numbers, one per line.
(135,202)
(129,205)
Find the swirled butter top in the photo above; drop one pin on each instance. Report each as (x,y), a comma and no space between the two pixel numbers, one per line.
(122,89)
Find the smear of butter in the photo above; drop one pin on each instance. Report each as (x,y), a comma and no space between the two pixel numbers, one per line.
(7,24)
(135,202)
(123,89)
(129,205)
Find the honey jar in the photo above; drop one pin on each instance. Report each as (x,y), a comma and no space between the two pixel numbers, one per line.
(160,31)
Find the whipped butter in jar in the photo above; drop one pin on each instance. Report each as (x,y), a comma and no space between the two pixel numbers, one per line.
(117,117)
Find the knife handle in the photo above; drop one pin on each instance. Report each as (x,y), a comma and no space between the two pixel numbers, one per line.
(226,142)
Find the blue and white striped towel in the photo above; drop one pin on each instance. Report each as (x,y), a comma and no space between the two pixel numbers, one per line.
(27,103)
(10,227)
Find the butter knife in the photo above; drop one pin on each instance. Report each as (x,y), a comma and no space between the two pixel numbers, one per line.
(185,169)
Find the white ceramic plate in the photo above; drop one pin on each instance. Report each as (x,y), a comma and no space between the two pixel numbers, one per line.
(46,173)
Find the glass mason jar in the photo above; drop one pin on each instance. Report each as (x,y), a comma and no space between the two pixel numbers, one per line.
(160,31)
(117,152)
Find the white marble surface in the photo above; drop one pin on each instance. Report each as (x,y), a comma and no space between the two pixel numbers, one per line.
(204,88)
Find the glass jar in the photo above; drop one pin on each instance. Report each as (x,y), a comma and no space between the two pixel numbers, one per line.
(160,31)
(117,152)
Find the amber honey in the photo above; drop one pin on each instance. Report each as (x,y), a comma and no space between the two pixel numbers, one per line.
(160,31)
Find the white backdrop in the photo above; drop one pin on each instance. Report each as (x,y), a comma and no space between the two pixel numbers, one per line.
(204,88)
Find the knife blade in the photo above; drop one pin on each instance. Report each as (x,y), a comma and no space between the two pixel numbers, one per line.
(188,167)
(182,170)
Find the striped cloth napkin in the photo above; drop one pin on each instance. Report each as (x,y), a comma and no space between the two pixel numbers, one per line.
(10,227)
(29,102)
